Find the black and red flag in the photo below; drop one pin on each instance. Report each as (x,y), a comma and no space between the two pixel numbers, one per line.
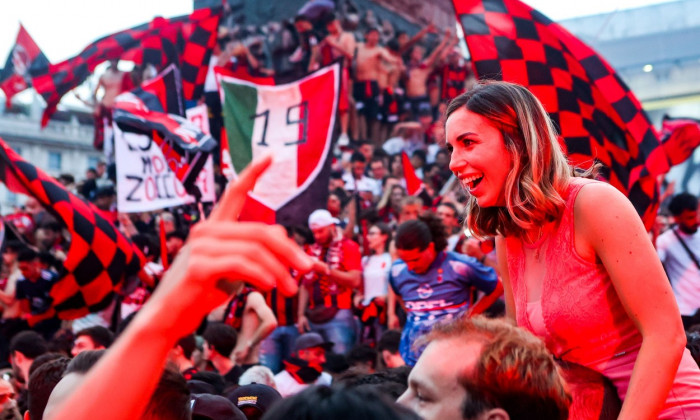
(99,257)
(598,117)
(157,109)
(680,137)
(193,36)
(25,55)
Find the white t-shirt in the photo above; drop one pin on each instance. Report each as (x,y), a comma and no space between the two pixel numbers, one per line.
(287,385)
(681,270)
(375,273)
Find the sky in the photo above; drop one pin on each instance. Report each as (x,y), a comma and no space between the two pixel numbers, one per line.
(62,28)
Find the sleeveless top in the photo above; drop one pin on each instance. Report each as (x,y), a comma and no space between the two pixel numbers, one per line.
(583,316)
(580,317)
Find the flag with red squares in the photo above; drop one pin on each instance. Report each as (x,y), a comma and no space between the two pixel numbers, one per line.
(598,117)
(99,256)
(193,37)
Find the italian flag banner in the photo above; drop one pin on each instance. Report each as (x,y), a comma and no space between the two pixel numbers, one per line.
(293,121)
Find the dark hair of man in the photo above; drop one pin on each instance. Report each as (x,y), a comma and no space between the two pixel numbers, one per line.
(418,234)
(391,383)
(322,402)
(213,379)
(43,359)
(171,399)
(84,361)
(99,335)
(221,337)
(682,202)
(357,157)
(362,353)
(180,234)
(41,382)
(390,341)
(29,343)
(47,259)
(188,343)
(27,254)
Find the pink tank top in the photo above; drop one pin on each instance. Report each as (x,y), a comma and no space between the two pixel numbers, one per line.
(584,320)
(580,317)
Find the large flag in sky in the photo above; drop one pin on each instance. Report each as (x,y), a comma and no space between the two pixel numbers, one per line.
(293,121)
(193,35)
(157,109)
(99,256)
(25,55)
(598,117)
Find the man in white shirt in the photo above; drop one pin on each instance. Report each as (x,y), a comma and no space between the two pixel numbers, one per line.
(679,251)
(304,369)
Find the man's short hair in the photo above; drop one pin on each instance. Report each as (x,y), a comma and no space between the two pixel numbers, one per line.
(410,201)
(188,344)
(390,341)
(171,399)
(514,371)
(41,382)
(27,254)
(43,359)
(29,343)
(84,361)
(99,335)
(682,202)
(361,354)
(357,157)
(322,402)
(221,337)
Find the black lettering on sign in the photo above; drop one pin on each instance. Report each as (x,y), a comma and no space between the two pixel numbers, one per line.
(139,181)
(303,121)
(147,165)
(266,115)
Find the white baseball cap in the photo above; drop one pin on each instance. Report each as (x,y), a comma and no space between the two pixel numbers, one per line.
(321,218)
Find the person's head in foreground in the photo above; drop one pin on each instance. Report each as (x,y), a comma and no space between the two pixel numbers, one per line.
(92,338)
(505,152)
(322,402)
(478,368)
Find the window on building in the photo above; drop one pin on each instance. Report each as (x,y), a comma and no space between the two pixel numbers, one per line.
(55,161)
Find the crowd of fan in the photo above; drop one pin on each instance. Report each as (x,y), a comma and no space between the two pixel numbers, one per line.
(340,336)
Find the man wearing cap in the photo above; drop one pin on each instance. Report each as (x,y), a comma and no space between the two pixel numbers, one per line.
(304,367)
(254,400)
(327,290)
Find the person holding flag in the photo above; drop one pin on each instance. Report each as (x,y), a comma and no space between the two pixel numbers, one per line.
(572,253)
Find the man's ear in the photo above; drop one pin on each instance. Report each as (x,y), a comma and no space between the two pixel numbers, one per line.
(18,357)
(494,414)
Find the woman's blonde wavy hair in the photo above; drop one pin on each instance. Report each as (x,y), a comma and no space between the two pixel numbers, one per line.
(540,170)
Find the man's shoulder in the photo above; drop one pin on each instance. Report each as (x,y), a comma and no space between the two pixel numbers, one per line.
(398,268)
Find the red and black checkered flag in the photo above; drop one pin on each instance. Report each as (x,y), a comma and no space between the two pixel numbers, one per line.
(597,115)
(194,36)
(24,56)
(680,137)
(99,256)
(157,109)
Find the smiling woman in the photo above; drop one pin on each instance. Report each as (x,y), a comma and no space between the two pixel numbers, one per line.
(571,253)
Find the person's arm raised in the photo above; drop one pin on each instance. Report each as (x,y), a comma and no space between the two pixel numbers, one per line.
(218,249)
(610,226)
